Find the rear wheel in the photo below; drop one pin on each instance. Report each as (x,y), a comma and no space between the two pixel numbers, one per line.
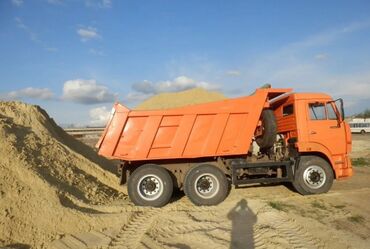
(206,185)
(150,185)
(363,132)
(313,176)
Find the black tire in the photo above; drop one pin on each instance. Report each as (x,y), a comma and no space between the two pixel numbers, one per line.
(314,175)
(147,179)
(363,132)
(203,178)
(269,130)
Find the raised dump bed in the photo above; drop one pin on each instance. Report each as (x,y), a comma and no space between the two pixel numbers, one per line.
(221,128)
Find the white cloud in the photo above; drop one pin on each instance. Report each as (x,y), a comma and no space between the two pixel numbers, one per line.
(33,36)
(99,116)
(321,56)
(293,63)
(96,52)
(354,86)
(354,89)
(329,36)
(234,73)
(135,97)
(51,49)
(23,26)
(101,4)
(107,3)
(87,92)
(30,92)
(295,66)
(180,83)
(17,3)
(55,2)
(88,33)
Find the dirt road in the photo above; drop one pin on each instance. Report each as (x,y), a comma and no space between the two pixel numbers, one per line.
(271,216)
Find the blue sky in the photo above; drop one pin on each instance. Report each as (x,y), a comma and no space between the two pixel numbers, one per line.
(75,57)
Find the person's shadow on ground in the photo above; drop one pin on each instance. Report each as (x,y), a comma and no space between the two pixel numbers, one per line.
(243,220)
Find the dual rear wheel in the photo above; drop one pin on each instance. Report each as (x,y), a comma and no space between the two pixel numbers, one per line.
(206,185)
(152,185)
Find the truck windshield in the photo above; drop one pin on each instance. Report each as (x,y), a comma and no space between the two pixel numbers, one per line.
(332,110)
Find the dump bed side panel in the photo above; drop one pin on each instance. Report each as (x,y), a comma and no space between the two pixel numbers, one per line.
(214,129)
(182,136)
(206,134)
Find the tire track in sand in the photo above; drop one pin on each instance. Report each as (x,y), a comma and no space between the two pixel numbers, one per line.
(288,229)
(131,234)
(154,228)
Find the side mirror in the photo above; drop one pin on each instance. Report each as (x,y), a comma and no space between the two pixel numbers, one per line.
(340,109)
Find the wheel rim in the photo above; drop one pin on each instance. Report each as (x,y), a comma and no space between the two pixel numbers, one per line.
(150,187)
(314,177)
(206,186)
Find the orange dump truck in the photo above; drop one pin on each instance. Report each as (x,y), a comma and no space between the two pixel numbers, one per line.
(273,135)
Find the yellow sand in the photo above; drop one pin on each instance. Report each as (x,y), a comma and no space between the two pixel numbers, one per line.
(178,99)
(48,180)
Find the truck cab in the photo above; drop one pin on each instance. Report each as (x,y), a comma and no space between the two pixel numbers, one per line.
(314,124)
(314,127)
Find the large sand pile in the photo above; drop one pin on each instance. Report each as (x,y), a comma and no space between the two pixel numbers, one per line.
(178,99)
(49,182)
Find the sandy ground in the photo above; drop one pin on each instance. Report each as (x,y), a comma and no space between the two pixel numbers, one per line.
(56,193)
(260,216)
(361,146)
(253,217)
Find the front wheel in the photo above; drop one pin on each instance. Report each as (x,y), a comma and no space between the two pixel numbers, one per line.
(314,175)
(206,185)
(150,185)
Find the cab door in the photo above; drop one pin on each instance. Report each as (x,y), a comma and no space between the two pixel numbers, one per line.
(325,127)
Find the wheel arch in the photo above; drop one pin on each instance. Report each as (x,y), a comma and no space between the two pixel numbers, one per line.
(323,156)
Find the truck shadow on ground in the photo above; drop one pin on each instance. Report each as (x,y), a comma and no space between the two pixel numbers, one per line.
(177,195)
(287,185)
(243,220)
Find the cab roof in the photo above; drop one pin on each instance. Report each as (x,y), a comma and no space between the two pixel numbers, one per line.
(300,96)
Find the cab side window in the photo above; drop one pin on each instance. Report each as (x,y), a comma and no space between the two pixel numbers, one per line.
(331,113)
(288,110)
(317,111)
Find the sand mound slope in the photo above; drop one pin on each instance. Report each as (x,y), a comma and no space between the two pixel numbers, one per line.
(48,180)
(178,99)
